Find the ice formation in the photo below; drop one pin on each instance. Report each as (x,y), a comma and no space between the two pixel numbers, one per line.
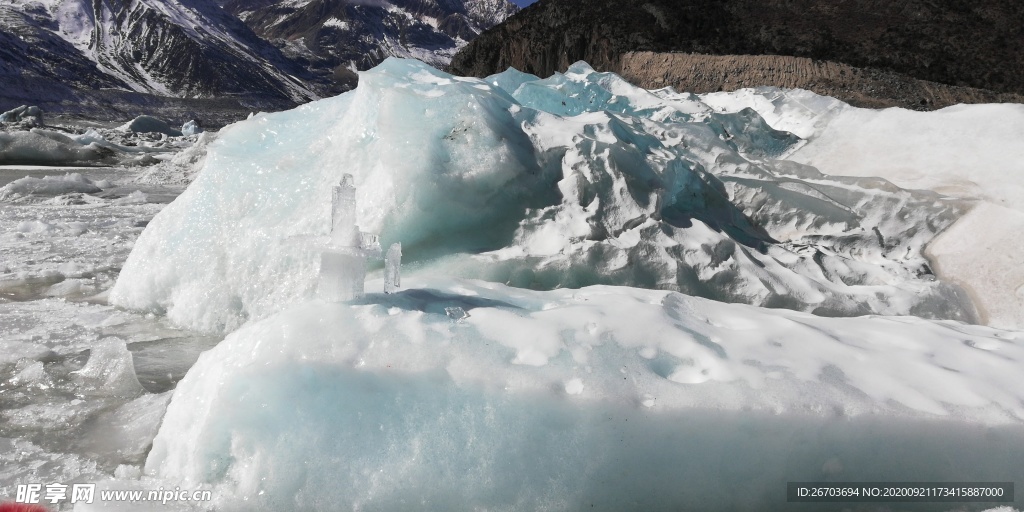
(343,262)
(150,124)
(569,181)
(48,186)
(110,370)
(182,167)
(30,115)
(625,398)
(191,128)
(48,147)
(961,151)
(393,268)
(465,394)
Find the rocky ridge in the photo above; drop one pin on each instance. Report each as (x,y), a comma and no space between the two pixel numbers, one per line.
(892,45)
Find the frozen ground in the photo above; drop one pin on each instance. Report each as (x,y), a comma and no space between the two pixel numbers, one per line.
(574,375)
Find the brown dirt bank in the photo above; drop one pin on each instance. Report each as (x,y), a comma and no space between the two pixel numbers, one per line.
(858,86)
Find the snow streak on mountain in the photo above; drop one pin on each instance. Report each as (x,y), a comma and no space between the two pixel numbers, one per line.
(183,48)
(337,37)
(51,50)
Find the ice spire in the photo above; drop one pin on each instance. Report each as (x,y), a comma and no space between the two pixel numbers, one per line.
(392,268)
(343,262)
(344,232)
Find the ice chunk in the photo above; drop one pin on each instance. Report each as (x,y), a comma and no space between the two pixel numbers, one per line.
(191,128)
(49,186)
(342,274)
(344,231)
(15,351)
(46,147)
(128,430)
(456,313)
(393,268)
(343,264)
(31,373)
(442,413)
(110,370)
(31,115)
(136,197)
(149,124)
(510,79)
(181,168)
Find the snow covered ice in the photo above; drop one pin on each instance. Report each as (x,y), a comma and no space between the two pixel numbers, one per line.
(613,299)
(620,397)
(962,151)
(649,190)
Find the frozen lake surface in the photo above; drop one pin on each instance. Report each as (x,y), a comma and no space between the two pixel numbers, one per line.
(57,258)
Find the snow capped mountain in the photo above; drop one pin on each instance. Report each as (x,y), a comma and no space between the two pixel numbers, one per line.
(181,48)
(337,37)
(53,50)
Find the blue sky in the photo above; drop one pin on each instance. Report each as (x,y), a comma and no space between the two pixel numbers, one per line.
(523,3)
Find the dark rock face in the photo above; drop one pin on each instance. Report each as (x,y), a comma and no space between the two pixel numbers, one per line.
(334,38)
(955,42)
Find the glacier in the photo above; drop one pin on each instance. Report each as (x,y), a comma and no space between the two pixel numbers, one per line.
(612,299)
(570,181)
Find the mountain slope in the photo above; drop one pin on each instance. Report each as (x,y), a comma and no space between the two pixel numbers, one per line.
(335,38)
(955,42)
(177,48)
